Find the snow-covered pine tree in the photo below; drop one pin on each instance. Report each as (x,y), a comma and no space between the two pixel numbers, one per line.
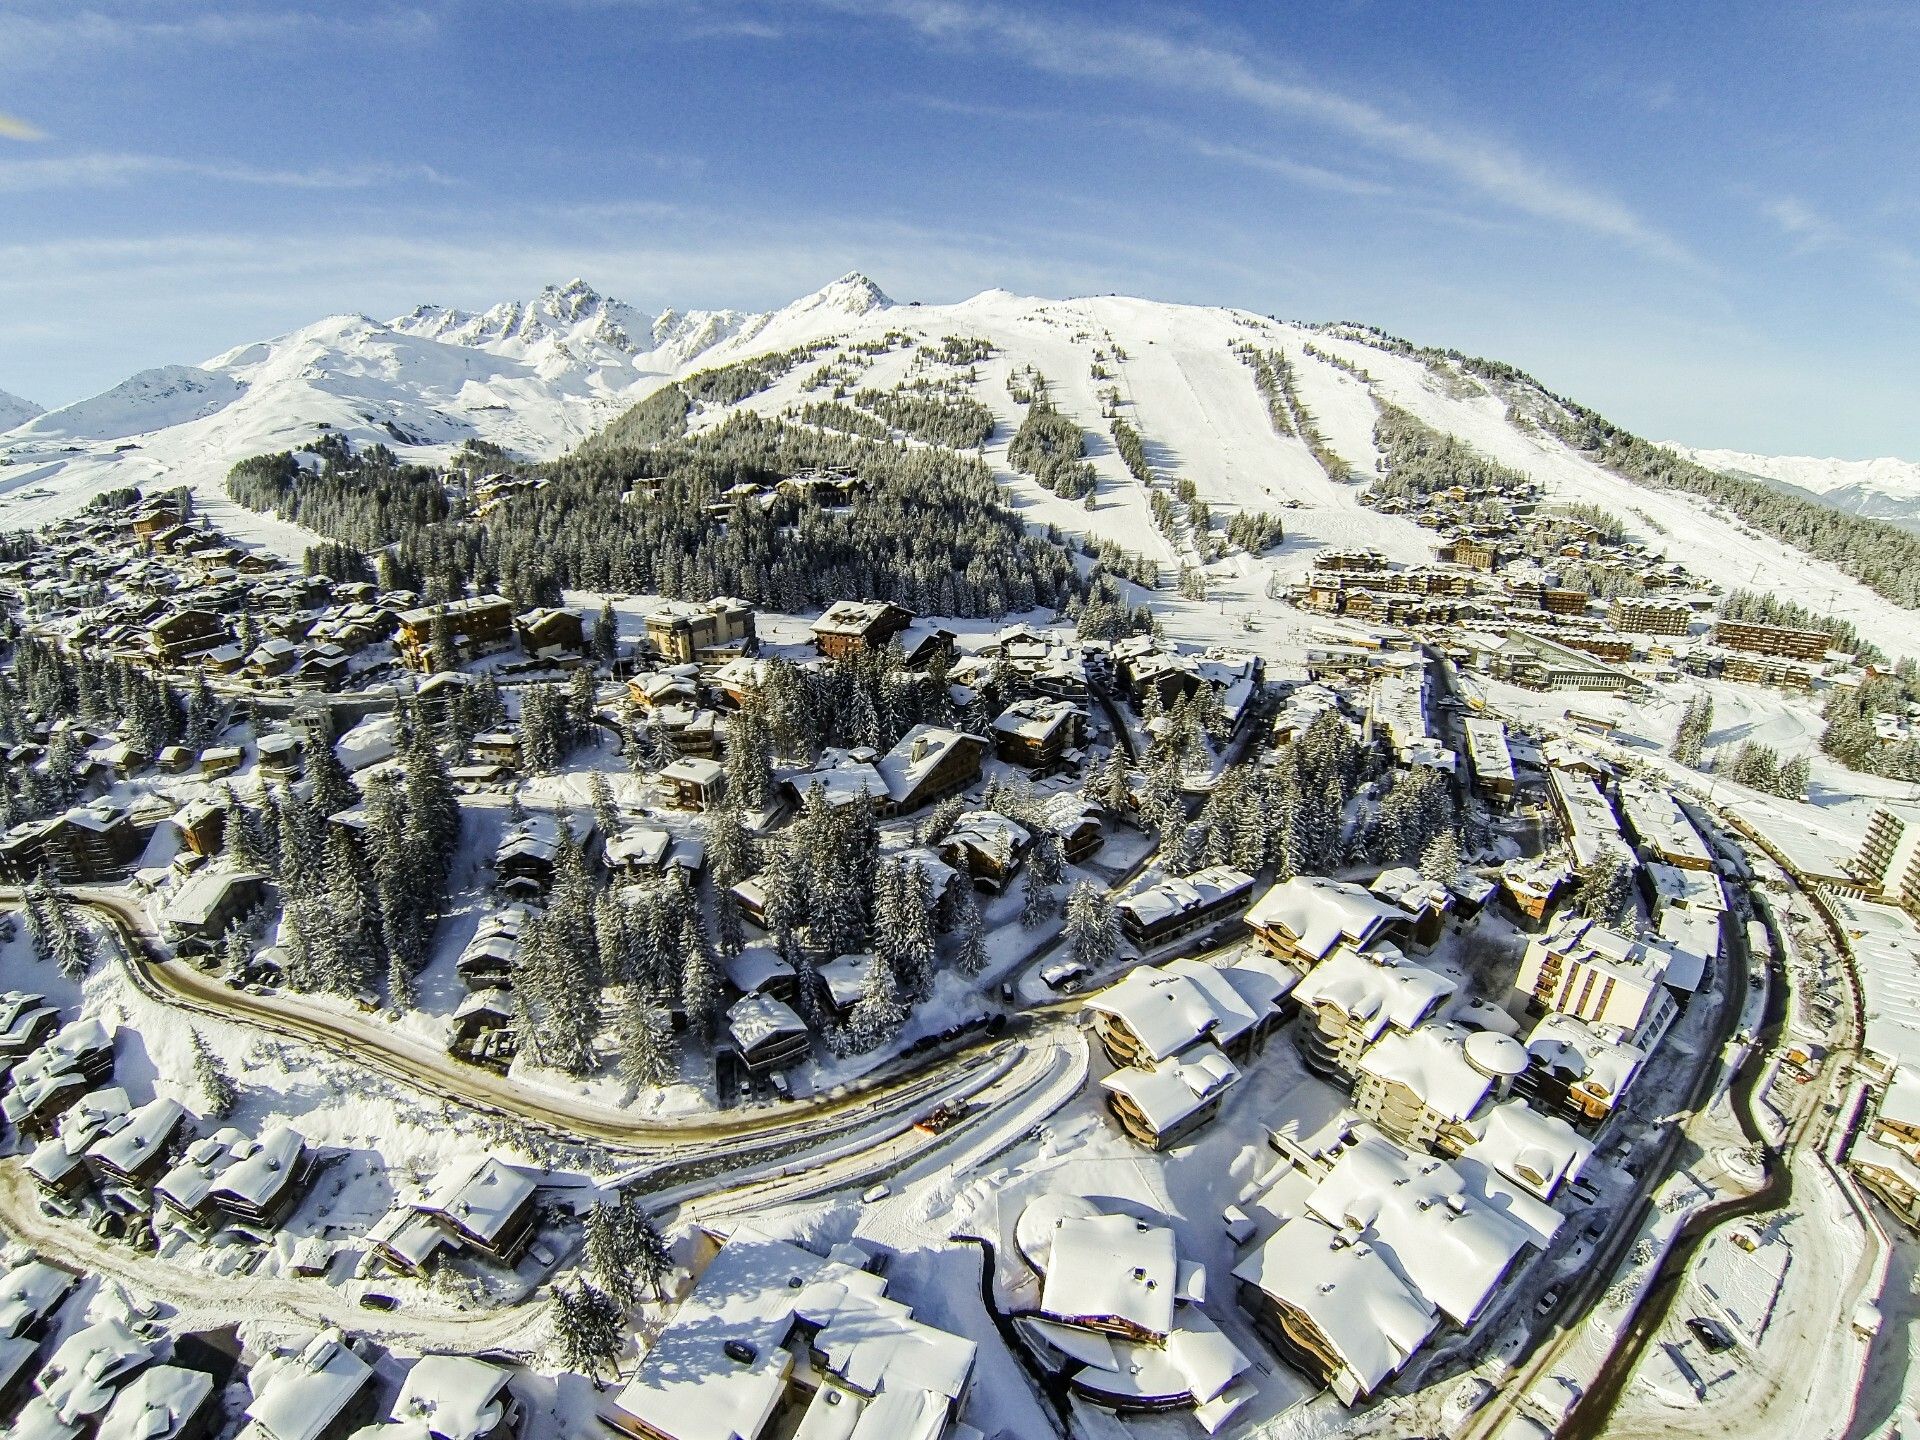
(606,814)
(1441,859)
(333,788)
(1092,928)
(879,1012)
(588,1328)
(210,1074)
(648,1053)
(972,955)
(1037,901)
(915,949)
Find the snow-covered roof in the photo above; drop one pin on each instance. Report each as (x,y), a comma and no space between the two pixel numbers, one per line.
(1659,823)
(720,1368)
(263,1168)
(754,968)
(454,1396)
(1375,989)
(643,845)
(1592,828)
(1165,1012)
(1175,1088)
(480,1194)
(192,1179)
(1533,1150)
(1182,895)
(200,897)
(80,1379)
(1317,913)
(1423,1216)
(1373,1317)
(694,770)
(1407,888)
(1112,1267)
(158,1404)
(851,617)
(991,834)
(753,1019)
(1432,1062)
(144,1133)
(296,1397)
(38,1420)
(1597,1055)
(917,754)
(1035,719)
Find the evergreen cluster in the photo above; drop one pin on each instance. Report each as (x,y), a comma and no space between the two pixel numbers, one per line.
(835,415)
(1273,376)
(936,415)
(1850,736)
(931,531)
(1417,460)
(1761,767)
(1049,446)
(1690,737)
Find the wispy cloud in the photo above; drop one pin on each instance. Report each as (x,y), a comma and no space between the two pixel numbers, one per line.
(1810,230)
(38,34)
(92,170)
(16,129)
(1483,166)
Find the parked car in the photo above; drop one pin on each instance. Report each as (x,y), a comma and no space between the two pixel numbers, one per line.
(1710,1333)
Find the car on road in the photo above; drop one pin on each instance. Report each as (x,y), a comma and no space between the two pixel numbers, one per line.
(375,1300)
(1547,1301)
(1711,1334)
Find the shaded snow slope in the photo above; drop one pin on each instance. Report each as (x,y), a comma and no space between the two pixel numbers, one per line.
(15,411)
(1883,489)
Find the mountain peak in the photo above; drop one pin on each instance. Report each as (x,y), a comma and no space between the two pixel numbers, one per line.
(15,411)
(853,292)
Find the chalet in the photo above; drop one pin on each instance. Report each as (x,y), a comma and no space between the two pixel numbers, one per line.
(207,903)
(1578,1068)
(657,689)
(722,628)
(986,846)
(767,1034)
(1161,1107)
(1078,822)
(850,627)
(185,1192)
(219,760)
(1422,1086)
(547,633)
(183,633)
(282,755)
(1386,1247)
(478,625)
(81,1378)
(1425,904)
(1180,905)
(1304,919)
(480,1204)
(928,764)
(265,1181)
(272,657)
(761,970)
(202,823)
(30,1296)
(26,1021)
(1532,886)
(488,959)
(524,861)
(71,1062)
(497,747)
(1041,735)
(481,1031)
(695,782)
(132,1150)
(637,852)
(321,1391)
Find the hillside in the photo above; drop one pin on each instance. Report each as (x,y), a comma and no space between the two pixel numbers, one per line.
(538,377)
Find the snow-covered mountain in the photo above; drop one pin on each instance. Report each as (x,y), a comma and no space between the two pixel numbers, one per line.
(15,411)
(537,376)
(1884,489)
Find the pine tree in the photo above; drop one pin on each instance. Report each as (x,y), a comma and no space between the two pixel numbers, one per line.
(333,788)
(915,948)
(587,1328)
(600,796)
(1794,777)
(1605,892)
(1440,861)
(609,1253)
(69,943)
(646,1045)
(210,1074)
(879,1013)
(1037,904)
(972,957)
(730,856)
(699,985)
(606,634)
(1092,929)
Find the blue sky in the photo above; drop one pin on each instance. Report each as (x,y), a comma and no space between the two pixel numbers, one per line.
(1699,218)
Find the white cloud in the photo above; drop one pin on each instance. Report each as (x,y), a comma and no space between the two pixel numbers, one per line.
(91,170)
(1483,166)
(38,35)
